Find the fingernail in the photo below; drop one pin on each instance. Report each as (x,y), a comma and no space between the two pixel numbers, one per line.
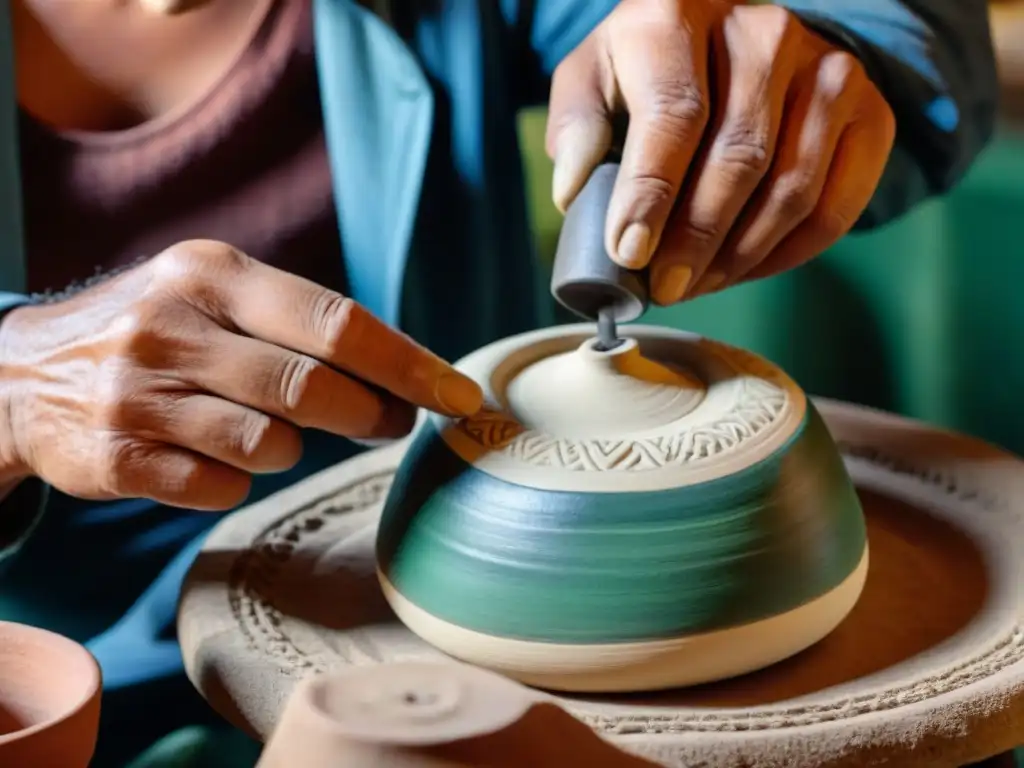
(162,6)
(459,394)
(670,282)
(565,184)
(581,146)
(634,249)
(710,282)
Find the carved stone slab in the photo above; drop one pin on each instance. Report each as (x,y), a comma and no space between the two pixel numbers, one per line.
(928,670)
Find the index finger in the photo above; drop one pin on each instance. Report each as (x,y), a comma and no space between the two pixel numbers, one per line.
(300,315)
(661,69)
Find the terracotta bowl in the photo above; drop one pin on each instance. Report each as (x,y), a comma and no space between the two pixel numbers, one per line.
(669,512)
(49,699)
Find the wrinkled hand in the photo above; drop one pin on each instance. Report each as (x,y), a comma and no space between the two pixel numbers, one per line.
(178,379)
(734,171)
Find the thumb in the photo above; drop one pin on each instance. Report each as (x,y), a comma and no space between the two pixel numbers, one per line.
(579,129)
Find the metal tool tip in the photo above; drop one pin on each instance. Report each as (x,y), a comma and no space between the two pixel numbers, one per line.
(607,331)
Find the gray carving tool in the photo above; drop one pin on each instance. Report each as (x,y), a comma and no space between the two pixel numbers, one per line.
(585,280)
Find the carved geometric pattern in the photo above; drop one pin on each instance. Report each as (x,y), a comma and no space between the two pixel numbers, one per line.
(257,570)
(758,406)
(252,586)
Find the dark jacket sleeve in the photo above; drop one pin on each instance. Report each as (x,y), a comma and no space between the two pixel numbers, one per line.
(932,59)
(20,512)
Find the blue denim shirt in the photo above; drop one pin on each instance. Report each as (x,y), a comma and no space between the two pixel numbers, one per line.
(419,116)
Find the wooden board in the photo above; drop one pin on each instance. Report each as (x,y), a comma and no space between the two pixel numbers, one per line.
(928,670)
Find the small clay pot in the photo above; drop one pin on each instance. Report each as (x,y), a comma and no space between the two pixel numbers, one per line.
(429,715)
(392,715)
(49,699)
(668,512)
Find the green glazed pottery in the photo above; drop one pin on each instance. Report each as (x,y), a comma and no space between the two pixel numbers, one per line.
(668,512)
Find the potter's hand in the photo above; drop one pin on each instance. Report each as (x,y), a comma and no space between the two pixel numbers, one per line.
(179,378)
(779,135)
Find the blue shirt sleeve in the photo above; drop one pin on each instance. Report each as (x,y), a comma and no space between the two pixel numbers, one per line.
(932,59)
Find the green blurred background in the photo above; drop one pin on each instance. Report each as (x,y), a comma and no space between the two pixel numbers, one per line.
(921,317)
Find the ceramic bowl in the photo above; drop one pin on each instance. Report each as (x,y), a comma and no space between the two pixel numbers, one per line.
(666,513)
(49,699)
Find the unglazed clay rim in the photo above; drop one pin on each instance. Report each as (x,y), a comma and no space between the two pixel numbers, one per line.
(506,701)
(963,697)
(759,383)
(643,665)
(79,655)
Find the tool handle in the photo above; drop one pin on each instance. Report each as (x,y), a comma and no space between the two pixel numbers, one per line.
(585,279)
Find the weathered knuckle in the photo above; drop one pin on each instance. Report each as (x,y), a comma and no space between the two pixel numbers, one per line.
(186,480)
(251,433)
(795,196)
(120,460)
(677,106)
(294,383)
(839,74)
(230,258)
(745,151)
(652,190)
(190,262)
(213,252)
(174,264)
(702,233)
(335,321)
